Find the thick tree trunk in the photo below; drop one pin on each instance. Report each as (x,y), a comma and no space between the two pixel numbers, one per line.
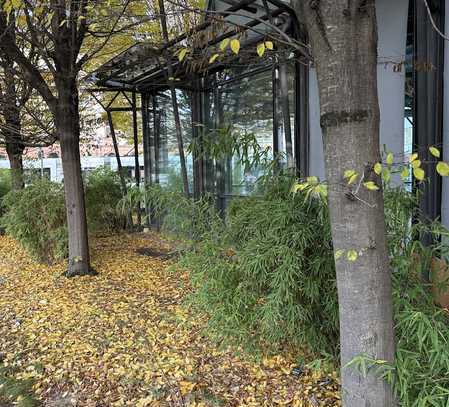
(344,46)
(67,127)
(15,152)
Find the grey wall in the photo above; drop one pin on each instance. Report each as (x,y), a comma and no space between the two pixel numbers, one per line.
(445,194)
(392,32)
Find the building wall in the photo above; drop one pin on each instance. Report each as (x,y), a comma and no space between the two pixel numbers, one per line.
(392,34)
(54,165)
(445,192)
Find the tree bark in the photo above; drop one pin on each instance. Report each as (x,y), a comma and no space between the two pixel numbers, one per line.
(343,37)
(68,131)
(15,152)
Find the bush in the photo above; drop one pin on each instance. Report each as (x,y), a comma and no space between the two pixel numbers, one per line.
(268,277)
(5,186)
(36,217)
(103,193)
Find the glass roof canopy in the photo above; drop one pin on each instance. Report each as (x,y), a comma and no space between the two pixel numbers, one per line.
(143,66)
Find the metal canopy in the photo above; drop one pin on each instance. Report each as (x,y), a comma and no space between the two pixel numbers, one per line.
(143,66)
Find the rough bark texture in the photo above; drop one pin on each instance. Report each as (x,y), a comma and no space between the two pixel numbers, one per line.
(15,153)
(68,131)
(343,38)
(10,110)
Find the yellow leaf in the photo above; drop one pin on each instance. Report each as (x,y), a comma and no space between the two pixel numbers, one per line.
(418,173)
(413,157)
(405,173)
(443,169)
(186,387)
(390,158)
(235,46)
(312,180)
(351,176)
(299,187)
(224,43)
(370,185)
(338,253)
(352,255)
(386,175)
(378,168)
(416,163)
(213,58)
(269,45)
(182,54)
(435,152)
(260,49)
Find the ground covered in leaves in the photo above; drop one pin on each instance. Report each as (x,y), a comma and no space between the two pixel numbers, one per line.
(127,338)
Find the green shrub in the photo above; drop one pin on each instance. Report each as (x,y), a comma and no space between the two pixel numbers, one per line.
(5,186)
(103,193)
(268,277)
(36,217)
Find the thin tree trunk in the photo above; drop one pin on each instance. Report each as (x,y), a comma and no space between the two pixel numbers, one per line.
(182,159)
(67,127)
(343,36)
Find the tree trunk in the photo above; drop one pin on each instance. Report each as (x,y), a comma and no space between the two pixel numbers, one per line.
(15,152)
(67,127)
(343,36)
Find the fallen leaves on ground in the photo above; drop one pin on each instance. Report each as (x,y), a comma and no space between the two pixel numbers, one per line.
(127,338)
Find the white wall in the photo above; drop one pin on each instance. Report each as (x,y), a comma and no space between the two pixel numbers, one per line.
(392,34)
(55,165)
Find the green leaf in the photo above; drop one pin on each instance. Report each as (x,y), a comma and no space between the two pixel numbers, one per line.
(386,175)
(261,49)
(235,46)
(443,169)
(435,152)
